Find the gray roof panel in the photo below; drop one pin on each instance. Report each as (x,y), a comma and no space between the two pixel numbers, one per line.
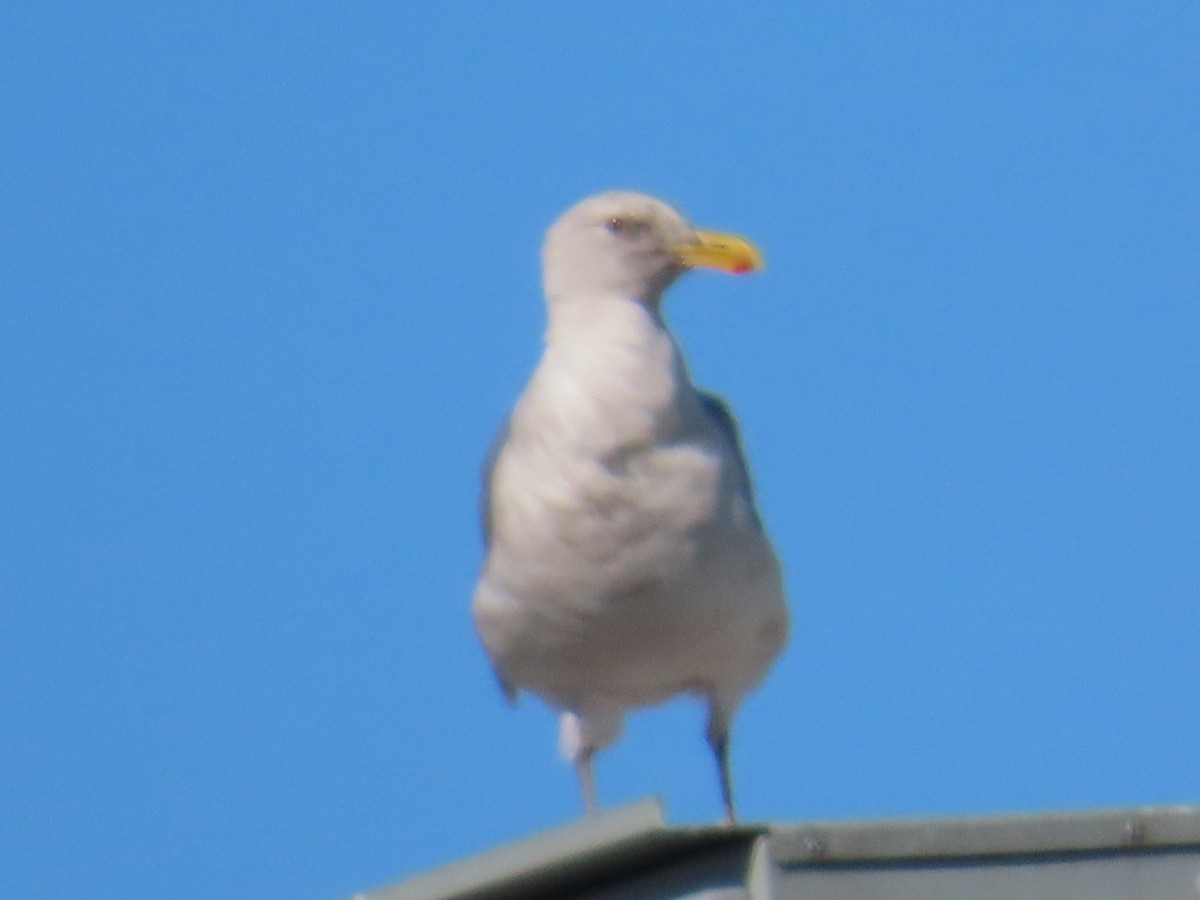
(631,854)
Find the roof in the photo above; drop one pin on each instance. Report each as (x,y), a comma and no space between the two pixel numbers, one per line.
(1142,853)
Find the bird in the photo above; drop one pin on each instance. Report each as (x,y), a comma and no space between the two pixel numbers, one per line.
(626,562)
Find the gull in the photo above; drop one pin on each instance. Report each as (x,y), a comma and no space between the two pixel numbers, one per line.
(626,563)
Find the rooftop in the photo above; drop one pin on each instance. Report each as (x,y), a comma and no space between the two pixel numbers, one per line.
(1143,853)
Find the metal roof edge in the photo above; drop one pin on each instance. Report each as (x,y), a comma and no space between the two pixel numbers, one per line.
(1050,834)
(621,844)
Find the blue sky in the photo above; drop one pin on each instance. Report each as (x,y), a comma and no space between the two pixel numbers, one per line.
(269,282)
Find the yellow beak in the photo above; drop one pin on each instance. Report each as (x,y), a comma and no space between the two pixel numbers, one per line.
(727,252)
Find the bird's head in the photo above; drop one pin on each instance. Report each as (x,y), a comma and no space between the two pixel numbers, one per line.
(633,246)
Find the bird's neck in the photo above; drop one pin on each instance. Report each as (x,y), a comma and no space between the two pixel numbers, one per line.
(612,369)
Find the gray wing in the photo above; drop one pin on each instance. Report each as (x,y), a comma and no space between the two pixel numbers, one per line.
(718,412)
(485,496)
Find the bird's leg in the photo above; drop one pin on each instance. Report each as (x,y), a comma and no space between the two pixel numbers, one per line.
(718,739)
(587,781)
(581,735)
(721,749)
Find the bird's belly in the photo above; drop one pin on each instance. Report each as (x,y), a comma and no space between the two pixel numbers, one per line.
(628,580)
(707,616)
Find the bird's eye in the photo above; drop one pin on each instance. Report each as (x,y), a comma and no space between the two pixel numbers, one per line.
(622,225)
